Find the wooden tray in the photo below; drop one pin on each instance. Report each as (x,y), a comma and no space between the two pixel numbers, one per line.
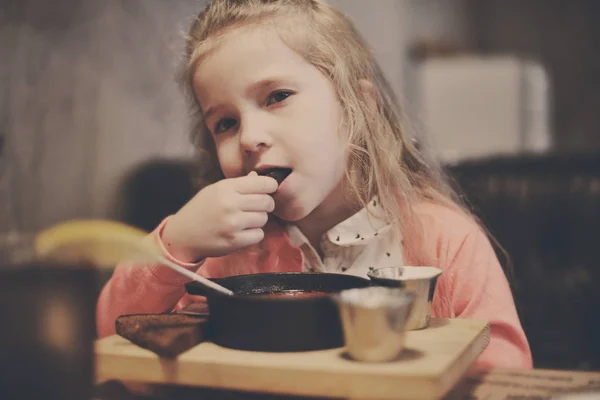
(434,360)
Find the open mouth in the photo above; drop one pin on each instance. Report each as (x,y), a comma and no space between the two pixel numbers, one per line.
(279,174)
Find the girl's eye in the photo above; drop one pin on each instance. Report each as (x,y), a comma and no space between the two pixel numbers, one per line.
(278,97)
(224,125)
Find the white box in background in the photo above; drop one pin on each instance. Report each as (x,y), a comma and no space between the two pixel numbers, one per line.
(475,107)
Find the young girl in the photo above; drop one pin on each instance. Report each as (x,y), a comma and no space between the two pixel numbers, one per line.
(290,86)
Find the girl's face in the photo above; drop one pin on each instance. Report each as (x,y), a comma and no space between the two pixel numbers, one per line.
(267,107)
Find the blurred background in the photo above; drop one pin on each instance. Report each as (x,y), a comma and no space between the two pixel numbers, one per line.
(506,93)
(88,90)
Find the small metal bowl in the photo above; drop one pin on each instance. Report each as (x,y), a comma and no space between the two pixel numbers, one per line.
(420,280)
(374,321)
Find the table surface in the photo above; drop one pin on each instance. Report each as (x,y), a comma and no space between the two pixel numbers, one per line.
(495,384)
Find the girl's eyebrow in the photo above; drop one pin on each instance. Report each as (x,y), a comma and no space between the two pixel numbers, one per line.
(210,112)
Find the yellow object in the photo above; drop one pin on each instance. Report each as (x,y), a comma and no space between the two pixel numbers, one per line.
(101,243)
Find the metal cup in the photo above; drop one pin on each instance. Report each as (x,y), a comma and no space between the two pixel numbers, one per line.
(419,280)
(374,320)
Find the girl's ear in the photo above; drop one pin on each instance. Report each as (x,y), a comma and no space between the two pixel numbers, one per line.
(369,93)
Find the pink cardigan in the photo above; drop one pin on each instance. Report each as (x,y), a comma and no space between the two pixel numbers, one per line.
(472,285)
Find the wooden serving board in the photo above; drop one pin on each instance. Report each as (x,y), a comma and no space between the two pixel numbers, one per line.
(434,360)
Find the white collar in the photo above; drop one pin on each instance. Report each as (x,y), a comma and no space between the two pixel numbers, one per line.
(358,229)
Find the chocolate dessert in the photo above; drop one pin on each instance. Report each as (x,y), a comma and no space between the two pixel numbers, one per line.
(279,174)
(290,294)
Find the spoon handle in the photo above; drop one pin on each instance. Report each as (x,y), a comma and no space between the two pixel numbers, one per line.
(198,278)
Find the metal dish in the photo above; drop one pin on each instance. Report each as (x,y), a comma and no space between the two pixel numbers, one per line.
(374,321)
(420,280)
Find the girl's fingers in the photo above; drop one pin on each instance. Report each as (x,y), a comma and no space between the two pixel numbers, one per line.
(249,237)
(255,184)
(255,219)
(257,202)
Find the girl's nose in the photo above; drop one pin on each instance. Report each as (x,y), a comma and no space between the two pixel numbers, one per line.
(253,137)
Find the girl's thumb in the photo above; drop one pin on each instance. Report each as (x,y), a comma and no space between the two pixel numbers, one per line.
(252,173)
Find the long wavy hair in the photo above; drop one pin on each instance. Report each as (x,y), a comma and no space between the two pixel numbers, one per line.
(382,159)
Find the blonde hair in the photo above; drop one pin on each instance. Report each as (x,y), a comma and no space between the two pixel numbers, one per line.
(382,159)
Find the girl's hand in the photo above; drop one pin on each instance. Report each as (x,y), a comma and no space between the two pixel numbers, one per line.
(222,218)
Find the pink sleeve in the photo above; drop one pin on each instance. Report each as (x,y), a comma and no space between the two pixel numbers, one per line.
(136,288)
(475,287)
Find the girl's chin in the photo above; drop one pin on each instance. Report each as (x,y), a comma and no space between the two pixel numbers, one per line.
(290,211)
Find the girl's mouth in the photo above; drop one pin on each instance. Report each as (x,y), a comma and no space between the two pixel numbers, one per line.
(279,174)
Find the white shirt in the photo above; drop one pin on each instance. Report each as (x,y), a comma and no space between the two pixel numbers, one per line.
(360,243)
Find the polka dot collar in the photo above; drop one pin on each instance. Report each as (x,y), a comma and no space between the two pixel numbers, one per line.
(361,227)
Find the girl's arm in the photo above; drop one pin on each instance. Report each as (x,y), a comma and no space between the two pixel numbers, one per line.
(479,289)
(226,216)
(137,288)
(473,284)
(151,288)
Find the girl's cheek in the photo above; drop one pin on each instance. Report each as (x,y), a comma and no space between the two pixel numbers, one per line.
(230,163)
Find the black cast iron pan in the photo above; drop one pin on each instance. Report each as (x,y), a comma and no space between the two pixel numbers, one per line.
(249,320)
